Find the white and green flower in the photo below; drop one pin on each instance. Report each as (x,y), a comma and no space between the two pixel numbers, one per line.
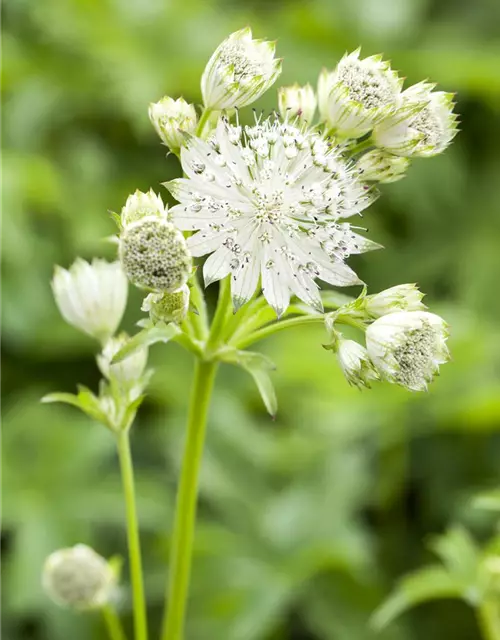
(91,296)
(141,205)
(297,102)
(167,307)
(407,347)
(355,363)
(402,297)
(379,166)
(172,119)
(129,371)
(240,70)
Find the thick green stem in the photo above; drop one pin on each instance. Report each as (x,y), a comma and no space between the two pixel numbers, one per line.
(127,472)
(112,622)
(185,514)
(488,615)
(222,313)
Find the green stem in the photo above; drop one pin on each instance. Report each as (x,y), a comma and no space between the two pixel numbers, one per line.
(489,620)
(200,129)
(222,313)
(361,146)
(127,472)
(112,622)
(185,514)
(281,325)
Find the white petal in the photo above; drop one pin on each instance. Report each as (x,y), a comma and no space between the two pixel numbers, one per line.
(217,266)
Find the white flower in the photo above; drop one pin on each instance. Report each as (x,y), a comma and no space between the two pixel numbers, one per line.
(407,347)
(357,94)
(91,297)
(78,577)
(379,166)
(424,124)
(402,297)
(154,254)
(167,307)
(297,102)
(270,203)
(141,205)
(239,72)
(172,119)
(355,363)
(127,372)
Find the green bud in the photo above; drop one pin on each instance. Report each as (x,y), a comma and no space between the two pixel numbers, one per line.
(167,307)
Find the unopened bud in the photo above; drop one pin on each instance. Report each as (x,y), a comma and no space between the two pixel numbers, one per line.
(297,102)
(167,307)
(141,205)
(172,119)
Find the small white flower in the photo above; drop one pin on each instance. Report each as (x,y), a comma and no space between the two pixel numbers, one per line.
(141,205)
(91,297)
(356,364)
(127,372)
(239,72)
(297,102)
(79,578)
(172,119)
(379,166)
(357,94)
(424,124)
(270,203)
(407,347)
(154,254)
(167,307)
(402,297)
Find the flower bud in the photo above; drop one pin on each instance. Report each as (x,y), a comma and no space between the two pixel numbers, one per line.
(142,205)
(378,166)
(79,578)
(297,102)
(91,297)
(154,255)
(424,125)
(357,95)
(172,119)
(356,364)
(407,347)
(402,297)
(239,72)
(127,372)
(167,307)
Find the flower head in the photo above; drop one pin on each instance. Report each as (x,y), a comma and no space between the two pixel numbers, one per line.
(357,94)
(91,297)
(127,372)
(355,363)
(407,347)
(78,577)
(379,166)
(141,205)
(167,307)
(270,202)
(297,102)
(240,70)
(172,119)
(402,297)
(154,254)
(424,125)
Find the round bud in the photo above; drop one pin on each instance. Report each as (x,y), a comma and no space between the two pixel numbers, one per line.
(154,255)
(167,307)
(141,205)
(78,577)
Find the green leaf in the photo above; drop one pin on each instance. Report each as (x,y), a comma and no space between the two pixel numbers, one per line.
(258,366)
(145,338)
(85,400)
(489,500)
(459,553)
(429,583)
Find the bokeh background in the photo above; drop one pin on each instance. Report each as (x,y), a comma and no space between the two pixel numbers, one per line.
(305,522)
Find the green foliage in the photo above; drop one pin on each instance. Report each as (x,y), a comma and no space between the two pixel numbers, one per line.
(306,522)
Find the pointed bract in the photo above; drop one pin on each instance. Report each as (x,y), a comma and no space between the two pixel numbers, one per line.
(379,166)
(172,119)
(297,102)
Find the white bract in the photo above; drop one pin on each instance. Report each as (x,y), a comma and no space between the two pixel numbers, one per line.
(240,70)
(127,372)
(167,307)
(407,347)
(297,102)
(91,297)
(270,202)
(79,578)
(355,363)
(424,124)
(172,119)
(141,205)
(379,166)
(357,94)
(402,297)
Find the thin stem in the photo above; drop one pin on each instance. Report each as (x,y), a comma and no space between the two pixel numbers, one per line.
(222,312)
(489,620)
(127,472)
(281,325)
(200,129)
(361,146)
(112,622)
(185,513)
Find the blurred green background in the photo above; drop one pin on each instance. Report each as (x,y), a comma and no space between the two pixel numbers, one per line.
(306,522)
